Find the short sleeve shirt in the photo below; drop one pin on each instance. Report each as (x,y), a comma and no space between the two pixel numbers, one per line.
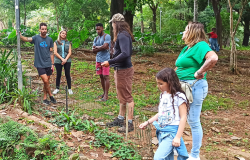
(167,113)
(42,51)
(191,60)
(213,35)
(103,55)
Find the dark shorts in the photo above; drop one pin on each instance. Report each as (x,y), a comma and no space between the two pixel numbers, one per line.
(46,71)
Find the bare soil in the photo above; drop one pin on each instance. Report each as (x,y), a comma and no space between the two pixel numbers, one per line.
(219,126)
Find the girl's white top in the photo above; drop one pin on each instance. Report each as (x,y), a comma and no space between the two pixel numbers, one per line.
(167,115)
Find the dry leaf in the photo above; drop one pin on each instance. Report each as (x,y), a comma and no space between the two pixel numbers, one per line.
(155,140)
(70,144)
(187,133)
(90,137)
(107,155)
(239,158)
(84,146)
(215,129)
(94,154)
(109,113)
(77,134)
(235,138)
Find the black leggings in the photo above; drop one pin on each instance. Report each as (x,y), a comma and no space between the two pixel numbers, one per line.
(67,66)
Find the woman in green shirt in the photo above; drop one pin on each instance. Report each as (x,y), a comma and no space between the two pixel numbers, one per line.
(193,62)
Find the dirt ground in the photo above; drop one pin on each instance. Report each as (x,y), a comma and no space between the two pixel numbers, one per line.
(226,130)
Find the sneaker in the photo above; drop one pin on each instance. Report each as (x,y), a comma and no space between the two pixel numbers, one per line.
(116,122)
(52,99)
(70,91)
(55,91)
(123,128)
(191,158)
(46,102)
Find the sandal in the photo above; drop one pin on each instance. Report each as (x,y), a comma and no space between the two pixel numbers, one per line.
(102,100)
(100,96)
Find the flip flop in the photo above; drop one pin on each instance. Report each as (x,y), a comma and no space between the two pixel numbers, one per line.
(100,96)
(102,100)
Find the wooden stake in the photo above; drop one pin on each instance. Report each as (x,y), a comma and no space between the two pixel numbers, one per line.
(126,121)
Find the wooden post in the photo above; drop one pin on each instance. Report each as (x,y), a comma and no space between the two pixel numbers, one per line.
(126,121)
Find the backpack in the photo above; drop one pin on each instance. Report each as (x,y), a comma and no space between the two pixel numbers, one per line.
(99,36)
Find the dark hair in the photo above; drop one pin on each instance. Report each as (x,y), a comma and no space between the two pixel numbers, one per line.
(43,24)
(168,75)
(122,26)
(214,29)
(99,24)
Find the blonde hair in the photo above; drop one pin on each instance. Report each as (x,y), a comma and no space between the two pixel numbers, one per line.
(195,34)
(59,37)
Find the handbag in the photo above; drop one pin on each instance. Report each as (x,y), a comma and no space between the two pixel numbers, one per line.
(187,88)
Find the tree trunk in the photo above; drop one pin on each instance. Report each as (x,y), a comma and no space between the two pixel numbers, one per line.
(195,10)
(154,20)
(129,17)
(246,32)
(180,13)
(57,20)
(218,20)
(233,56)
(142,24)
(115,7)
(24,22)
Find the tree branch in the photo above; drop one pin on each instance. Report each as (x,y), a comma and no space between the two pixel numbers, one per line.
(241,11)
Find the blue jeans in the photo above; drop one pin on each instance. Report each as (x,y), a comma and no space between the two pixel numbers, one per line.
(199,91)
(214,44)
(165,150)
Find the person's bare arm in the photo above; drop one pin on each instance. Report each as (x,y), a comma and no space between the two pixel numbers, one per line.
(183,118)
(52,59)
(69,54)
(105,46)
(211,59)
(55,52)
(52,55)
(151,120)
(25,39)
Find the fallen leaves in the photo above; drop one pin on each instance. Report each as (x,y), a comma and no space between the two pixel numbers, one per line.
(155,140)
(215,129)
(235,138)
(187,133)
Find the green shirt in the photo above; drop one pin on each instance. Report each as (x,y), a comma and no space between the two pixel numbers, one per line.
(191,60)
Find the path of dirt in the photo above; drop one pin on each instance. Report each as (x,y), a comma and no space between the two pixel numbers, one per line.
(220,127)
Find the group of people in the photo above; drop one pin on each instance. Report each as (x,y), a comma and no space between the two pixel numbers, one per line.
(174,108)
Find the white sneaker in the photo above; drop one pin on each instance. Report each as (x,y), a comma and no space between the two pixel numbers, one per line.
(70,91)
(55,91)
(191,158)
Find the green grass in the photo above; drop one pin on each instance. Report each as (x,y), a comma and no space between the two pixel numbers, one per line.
(13,147)
(243,48)
(145,93)
(212,102)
